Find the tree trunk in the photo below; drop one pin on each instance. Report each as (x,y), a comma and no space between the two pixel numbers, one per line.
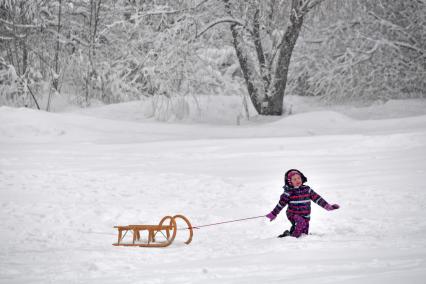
(246,70)
(56,77)
(93,26)
(244,64)
(15,43)
(275,104)
(23,43)
(259,51)
(24,57)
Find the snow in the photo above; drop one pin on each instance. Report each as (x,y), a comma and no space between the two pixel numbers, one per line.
(67,178)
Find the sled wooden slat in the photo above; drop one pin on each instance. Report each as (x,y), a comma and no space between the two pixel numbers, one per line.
(168,231)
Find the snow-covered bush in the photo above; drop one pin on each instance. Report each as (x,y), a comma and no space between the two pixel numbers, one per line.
(8,84)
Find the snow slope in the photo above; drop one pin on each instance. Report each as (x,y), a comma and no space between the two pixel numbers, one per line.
(67,178)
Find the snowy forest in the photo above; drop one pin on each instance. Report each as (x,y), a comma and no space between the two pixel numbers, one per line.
(95,52)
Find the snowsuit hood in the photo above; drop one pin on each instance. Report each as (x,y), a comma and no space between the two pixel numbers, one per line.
(287,178)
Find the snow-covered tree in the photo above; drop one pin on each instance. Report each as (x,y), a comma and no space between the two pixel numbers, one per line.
(362,50)
(264,35)
(20,26)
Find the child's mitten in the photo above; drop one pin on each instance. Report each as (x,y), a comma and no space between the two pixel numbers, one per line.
(271,216)
(331,207)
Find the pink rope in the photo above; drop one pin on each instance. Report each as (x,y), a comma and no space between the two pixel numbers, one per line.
(225,222)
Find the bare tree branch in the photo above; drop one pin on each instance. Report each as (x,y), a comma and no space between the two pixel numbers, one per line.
(220,21)
(20,25)
(5,38)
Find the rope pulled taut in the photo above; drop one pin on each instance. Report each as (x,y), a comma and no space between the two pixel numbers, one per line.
(225,222)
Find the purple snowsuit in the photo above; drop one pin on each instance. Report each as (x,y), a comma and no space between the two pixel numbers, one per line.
(299,206)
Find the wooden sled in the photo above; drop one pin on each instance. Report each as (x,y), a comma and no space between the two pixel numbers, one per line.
(168,231)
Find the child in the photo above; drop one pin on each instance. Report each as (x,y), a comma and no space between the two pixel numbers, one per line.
(298,197)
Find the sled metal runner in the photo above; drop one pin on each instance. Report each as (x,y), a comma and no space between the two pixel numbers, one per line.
(167,228)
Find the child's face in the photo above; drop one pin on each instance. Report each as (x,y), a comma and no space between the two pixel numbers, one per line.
(296,180)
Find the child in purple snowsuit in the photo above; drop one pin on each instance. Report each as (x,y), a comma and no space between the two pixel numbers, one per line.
(298,198)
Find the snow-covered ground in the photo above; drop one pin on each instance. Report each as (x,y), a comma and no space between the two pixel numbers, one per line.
(67,178)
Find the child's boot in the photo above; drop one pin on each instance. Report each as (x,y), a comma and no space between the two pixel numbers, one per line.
(285,234)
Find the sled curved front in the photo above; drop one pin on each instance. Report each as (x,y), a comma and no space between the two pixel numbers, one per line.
(191,233)
(167,228)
